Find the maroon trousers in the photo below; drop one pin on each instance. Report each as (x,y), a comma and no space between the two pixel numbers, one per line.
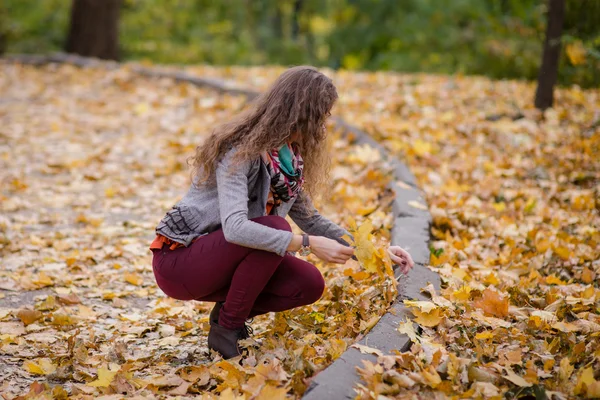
(249,281)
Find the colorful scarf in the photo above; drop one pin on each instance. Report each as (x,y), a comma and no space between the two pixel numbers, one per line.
(285,169)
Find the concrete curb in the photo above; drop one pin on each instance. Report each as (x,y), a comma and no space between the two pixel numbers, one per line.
(410,230)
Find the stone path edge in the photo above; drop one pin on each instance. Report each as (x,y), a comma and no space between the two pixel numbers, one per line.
(410,230)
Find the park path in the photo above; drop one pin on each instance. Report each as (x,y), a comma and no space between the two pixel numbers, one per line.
(91,159)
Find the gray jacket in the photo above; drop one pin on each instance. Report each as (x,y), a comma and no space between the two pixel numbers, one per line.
(240,194)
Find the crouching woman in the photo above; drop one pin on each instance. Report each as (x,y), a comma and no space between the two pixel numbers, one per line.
(227,240)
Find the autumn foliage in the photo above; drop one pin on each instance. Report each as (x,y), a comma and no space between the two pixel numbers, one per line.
(515,199)
(90,160)
(89,156)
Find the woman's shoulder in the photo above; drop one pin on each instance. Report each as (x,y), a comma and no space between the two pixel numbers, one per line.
(229,158)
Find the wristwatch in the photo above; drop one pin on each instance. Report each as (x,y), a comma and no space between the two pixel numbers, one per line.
(305,249)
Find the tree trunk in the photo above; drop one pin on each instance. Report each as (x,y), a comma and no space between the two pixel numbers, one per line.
(544,95)
(3,30)
(277,22)
(295,19)
(3,41)
(94,29)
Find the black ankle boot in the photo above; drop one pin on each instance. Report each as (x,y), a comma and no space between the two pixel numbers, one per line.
(214,313)
(214,318)
(225,341)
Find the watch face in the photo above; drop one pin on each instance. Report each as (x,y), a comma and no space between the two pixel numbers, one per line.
(304,251)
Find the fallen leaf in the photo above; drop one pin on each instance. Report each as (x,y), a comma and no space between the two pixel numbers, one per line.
(29,316)
(429,319)
(516,379)
(493,304)
(416,204)
(367,350)
(42,366)
(105,377)
(134,279)
(408,329)
(270,392)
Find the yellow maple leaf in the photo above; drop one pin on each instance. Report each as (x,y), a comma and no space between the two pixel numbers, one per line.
(141,108)
(365,250)
(499,206)
(429,319)
(231,375)
(270,392)
(43,280)
(43,366)
(110,192)
(421,147)
(484,335)
(463,294)
(105,377)
(426,313)
(359,276)
(585,382)
(62,319)
(565,369)
(228,394)
(553,280)
(432,378)
(562,252)
(587,275)
(336,348)
(272,371)
(491,279)
(134,279)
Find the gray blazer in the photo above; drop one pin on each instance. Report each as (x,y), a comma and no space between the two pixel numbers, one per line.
(240,194)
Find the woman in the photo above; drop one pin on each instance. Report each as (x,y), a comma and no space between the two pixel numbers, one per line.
(227,240)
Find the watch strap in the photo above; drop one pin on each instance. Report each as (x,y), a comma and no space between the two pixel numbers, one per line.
(305,242)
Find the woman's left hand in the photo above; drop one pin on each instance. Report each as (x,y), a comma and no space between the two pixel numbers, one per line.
(401,257)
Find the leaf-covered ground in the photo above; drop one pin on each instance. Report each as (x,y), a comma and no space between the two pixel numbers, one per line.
(90,159)
(514,195)
(515,198)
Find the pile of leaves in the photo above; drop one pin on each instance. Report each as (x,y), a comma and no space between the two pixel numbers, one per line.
(515,199)
(90,160)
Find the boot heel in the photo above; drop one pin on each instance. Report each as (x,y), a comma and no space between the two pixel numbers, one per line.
(225,341)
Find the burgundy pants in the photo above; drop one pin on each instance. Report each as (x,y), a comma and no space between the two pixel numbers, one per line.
(249,281)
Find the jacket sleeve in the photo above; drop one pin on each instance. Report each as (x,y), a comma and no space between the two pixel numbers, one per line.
(232,187)
(306,216)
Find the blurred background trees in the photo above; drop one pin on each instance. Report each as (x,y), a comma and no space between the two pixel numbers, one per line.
(497,38)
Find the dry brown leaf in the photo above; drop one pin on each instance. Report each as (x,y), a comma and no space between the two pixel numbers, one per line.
(493,304)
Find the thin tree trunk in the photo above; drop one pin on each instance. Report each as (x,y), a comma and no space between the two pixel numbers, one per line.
(94,29)
(3,42)
(296,18)
(3,29)
(278,22)
(544,95)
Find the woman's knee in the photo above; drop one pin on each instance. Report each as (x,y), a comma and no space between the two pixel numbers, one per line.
(274,221)
(314,286)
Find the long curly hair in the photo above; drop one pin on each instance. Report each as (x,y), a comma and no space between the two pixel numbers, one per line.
(299,102)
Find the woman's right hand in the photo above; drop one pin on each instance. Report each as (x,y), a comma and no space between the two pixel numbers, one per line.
(329,250)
